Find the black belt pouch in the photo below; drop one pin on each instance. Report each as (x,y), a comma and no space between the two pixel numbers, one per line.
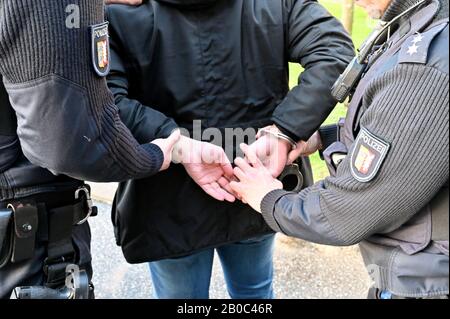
(6,229)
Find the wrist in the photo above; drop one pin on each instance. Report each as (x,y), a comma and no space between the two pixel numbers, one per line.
(180,151)
(269,188)
(287,142)
(268,208)
(285,146)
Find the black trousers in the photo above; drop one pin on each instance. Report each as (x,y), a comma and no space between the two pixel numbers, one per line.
(31,273)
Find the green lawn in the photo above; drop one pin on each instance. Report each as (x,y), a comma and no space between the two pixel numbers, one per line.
(361,29)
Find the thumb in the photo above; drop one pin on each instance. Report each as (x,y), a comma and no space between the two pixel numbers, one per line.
(295,154)
(173,139)
(226,166)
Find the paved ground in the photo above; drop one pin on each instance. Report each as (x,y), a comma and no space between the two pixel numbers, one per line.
(303,270)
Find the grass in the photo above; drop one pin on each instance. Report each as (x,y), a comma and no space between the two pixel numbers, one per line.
(361,29)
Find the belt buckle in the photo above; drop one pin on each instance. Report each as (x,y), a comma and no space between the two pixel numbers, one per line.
(89,202)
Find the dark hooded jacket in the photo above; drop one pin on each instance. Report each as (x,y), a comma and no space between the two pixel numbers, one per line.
(224,62)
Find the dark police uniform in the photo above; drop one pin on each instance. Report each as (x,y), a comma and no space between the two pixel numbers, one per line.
(224,63)
(58,125)
(390,167)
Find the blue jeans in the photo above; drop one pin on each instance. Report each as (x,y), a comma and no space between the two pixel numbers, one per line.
(247,265)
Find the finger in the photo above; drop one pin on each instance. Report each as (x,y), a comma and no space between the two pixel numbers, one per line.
(251,155)
(230,196)
(295,154)
(226,166)
(225,184)
(219,157)
(292,157)
(239,174)
(275,171)
(237,188)
(173,139)
(211,191)
(242,164)
(223,193)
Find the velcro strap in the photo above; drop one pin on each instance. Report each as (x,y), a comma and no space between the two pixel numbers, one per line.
(60,227)
(60,250)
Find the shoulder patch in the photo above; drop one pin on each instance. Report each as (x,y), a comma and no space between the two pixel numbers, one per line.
(416,47)
(368,155)
(100,48)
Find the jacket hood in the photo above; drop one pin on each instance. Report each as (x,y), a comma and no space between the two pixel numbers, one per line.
(188,3)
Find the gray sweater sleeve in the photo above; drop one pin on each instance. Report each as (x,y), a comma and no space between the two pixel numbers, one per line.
(343,211)
(67,119)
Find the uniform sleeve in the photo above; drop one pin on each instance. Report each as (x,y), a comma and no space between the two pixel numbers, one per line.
(342,210)
(67,119)
(318,42)
(144,122)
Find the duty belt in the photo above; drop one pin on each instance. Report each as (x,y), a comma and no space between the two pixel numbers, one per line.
(48,218)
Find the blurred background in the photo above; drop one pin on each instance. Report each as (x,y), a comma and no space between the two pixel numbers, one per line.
(302,270)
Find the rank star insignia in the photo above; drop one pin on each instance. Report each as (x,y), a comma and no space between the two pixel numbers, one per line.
(413,49)
(418,38)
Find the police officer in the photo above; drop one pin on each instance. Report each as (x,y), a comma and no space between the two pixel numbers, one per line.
(58,125)
(390,167)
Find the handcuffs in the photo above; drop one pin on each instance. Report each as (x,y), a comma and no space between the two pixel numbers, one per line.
(279,135)
(290,171)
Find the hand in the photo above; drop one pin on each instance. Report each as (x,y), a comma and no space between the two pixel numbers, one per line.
(207,165)
(129,2)
(313,145)
(255,180)
(167,145)
(272,152)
